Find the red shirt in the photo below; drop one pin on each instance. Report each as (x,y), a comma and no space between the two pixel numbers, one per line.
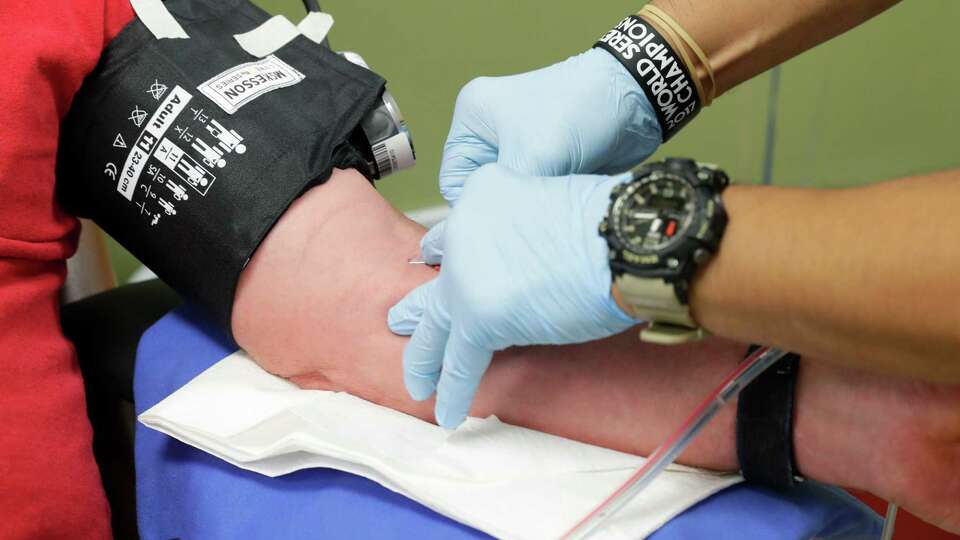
(49,483)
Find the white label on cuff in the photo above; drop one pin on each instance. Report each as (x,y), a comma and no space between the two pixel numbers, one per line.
(394,154)
(242,84)
(156,127)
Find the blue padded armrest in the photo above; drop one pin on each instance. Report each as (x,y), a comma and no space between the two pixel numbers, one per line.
(185,493)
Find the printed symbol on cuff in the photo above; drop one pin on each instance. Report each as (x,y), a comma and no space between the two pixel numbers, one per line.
(184,166)
(137,116)
(229,140)
(154,173)
(195,175)
(183,133)
(148,191)
(156,218)
(118,142)
(199,116)
(157,90)
(110,170)
(168,207)
(211,156)
(179,193)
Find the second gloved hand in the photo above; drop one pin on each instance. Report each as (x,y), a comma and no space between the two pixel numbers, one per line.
(583,115)
(522,265)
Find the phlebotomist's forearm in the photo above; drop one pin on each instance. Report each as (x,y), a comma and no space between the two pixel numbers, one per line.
(868,275)
(865,275)
(743,38)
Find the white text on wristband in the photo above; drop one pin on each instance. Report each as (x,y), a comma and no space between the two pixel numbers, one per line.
(658,69)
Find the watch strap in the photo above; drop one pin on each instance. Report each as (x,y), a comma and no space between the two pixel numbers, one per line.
(655,300)
(765,425)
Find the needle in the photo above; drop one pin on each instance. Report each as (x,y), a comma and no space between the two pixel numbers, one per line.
(414,260)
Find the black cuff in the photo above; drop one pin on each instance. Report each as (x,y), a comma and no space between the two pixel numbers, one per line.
(187,151)
(765,425)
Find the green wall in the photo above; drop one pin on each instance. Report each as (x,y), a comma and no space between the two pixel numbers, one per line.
(873,104)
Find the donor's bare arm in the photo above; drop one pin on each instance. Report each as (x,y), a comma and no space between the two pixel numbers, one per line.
(312,304)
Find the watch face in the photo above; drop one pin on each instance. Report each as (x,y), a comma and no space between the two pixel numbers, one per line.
(655,213)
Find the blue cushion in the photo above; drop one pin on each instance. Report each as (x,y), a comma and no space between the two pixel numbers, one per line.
(186,493)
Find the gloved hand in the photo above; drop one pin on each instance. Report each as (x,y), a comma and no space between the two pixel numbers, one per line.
(584,115)
(523,264)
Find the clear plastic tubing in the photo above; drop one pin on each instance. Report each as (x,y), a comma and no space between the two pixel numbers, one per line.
(667,453)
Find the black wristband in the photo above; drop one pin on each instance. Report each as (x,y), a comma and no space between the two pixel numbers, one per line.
(658,69)
(765,425)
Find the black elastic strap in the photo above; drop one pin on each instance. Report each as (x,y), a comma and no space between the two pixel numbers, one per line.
(658,69)
(765,425)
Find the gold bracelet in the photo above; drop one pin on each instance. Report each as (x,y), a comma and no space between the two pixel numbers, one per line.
(678,30)
(677,43)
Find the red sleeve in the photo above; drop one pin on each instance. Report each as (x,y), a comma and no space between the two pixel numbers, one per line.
(49,483)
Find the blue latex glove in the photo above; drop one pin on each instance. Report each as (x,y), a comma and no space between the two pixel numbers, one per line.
(583,115)
(523,264)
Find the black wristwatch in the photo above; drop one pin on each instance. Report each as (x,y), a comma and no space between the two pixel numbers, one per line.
(664,222)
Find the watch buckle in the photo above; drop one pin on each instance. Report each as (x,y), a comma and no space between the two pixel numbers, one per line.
(662,333)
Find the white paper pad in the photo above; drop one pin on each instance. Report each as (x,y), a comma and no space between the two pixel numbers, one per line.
(508,481)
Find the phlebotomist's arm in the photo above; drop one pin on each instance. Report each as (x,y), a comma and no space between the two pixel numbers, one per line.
(866,275)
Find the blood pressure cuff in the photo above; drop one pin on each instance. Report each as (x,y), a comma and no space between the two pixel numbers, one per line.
(187,151)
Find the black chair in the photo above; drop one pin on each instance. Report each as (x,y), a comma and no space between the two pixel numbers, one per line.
(105,329)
